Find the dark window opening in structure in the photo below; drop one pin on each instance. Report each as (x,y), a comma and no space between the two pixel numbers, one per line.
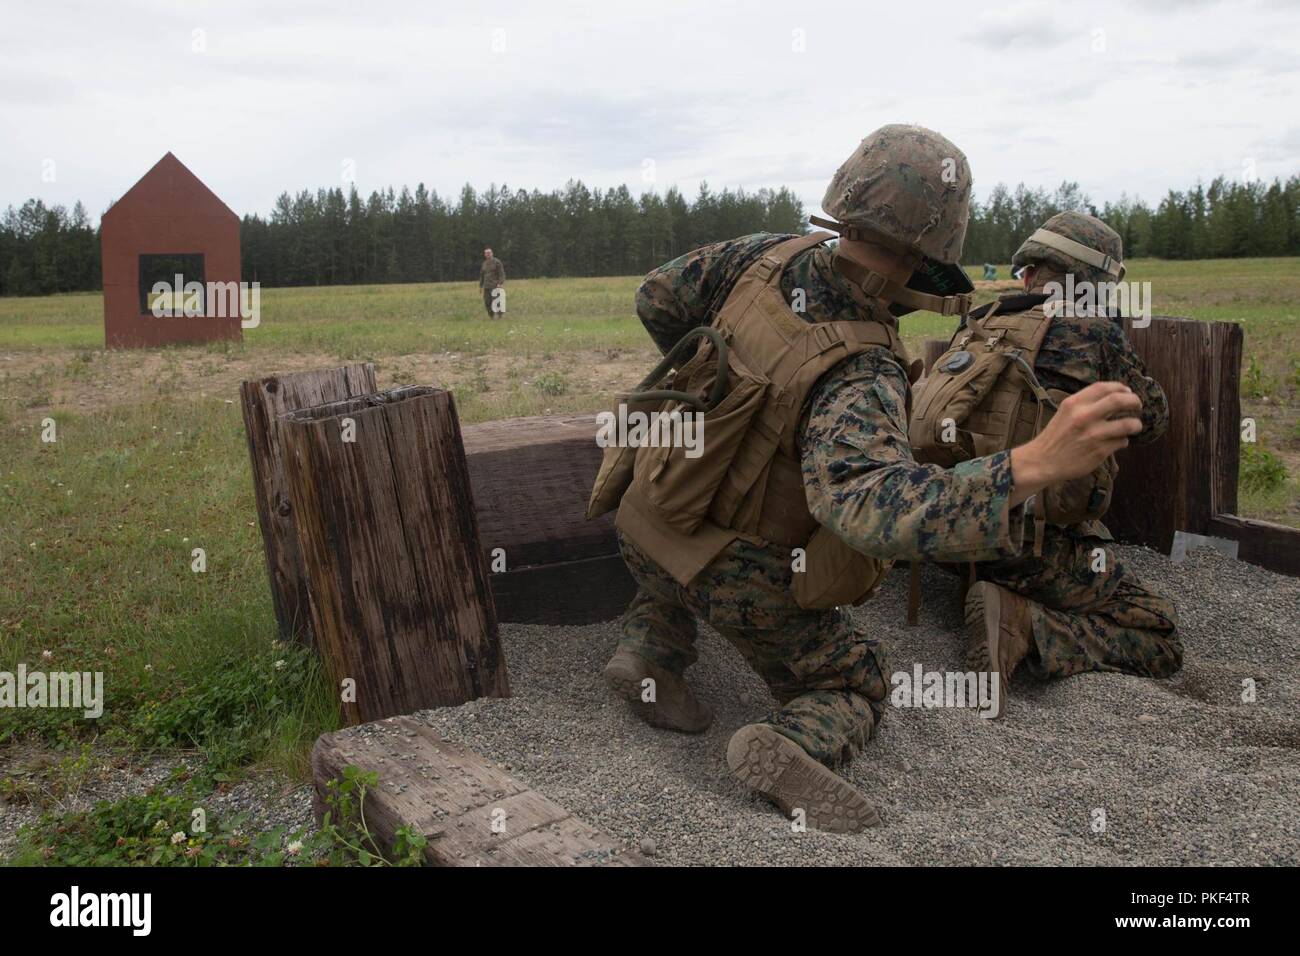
(165,267)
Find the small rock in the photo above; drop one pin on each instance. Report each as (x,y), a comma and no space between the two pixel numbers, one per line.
(1077,764)
(1146,719)
(648,846)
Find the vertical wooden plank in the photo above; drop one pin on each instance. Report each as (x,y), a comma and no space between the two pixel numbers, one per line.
(388,536)
(1170,485)
(1226,428)
(264,401)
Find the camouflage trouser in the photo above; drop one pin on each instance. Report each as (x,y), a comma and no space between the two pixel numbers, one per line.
(829,678)
(487,303)
(1086,619)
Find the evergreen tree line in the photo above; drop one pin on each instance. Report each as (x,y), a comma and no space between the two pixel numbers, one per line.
(1226,220)
(332,238)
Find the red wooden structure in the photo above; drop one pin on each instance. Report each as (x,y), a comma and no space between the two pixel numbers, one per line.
(168,223)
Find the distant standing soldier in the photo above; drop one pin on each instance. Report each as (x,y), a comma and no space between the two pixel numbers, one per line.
(492,277)
(1066,604)
(806,482)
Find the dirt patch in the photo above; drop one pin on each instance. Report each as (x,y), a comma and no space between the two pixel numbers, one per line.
(90,380)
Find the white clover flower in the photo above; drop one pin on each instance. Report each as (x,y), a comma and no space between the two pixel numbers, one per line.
(294,848)
(178,838)
(281,665)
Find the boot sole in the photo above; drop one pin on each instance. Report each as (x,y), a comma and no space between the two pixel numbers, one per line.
(779,769)
(984,657)
(629,688)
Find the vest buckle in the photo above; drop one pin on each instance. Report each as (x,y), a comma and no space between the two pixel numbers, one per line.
(824,337)
(766,267)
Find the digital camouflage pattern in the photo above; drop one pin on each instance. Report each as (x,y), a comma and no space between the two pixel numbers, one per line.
(689,291)
(1082,228)
(909,183)
(1085,619)
(860,480)
(827,675)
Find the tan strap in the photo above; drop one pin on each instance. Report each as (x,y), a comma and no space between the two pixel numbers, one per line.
(767,269)
(874,284)
(1077,250)
(772,263)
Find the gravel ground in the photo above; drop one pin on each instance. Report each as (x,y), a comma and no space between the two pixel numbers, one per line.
(1185,772)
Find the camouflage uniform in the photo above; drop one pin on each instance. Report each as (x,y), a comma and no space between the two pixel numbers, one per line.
(1084,620)
(492,276)
(860,480)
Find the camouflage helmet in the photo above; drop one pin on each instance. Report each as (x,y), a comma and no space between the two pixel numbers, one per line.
(908,184)
(1074,242)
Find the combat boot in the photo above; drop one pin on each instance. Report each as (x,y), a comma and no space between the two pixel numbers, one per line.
(672,704)
(772,764)
(1000,635)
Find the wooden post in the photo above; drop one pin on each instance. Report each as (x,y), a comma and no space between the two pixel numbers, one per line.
(264,401)
(389,541)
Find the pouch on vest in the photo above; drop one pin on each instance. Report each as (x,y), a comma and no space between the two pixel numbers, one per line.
(943,430)
(616,464)
(982,397)
(834,574)
(678,483)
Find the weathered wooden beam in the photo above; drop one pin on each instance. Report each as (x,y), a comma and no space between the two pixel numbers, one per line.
(471,812)
(264,401)
(532,478)
(1270,545)
(389,543)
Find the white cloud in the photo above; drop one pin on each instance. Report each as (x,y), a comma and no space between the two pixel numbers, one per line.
(282,94)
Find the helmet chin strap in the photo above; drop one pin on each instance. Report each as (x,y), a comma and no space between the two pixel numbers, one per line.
(877,285)
(874,284)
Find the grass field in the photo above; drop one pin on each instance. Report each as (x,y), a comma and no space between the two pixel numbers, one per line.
(98,528)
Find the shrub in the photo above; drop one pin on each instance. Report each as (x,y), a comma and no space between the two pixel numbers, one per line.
(1260,469)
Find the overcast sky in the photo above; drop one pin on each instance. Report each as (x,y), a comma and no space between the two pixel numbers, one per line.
(262,96)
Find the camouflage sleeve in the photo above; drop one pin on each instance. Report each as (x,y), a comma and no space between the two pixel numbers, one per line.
(1123,365)
(862,482)
(679,295)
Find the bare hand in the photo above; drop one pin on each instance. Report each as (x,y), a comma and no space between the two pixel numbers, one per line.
(1090,425)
